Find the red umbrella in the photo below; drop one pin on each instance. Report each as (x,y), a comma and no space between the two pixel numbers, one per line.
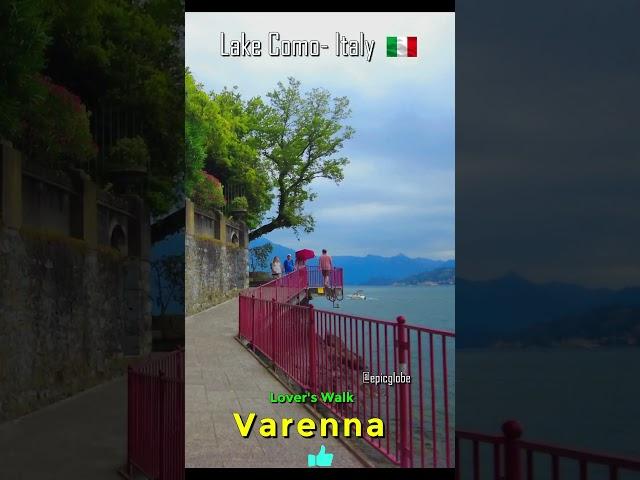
(304,254)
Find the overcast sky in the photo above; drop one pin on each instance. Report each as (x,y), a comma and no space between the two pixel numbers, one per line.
(548,167)
(398,194)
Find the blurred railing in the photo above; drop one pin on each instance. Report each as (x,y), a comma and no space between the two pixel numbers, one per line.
(155,443)
(508,457)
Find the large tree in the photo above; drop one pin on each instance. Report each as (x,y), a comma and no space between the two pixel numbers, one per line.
(300,135)
(272,149)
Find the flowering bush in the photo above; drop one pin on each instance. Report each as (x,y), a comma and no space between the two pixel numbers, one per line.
(56,129)
(207,192)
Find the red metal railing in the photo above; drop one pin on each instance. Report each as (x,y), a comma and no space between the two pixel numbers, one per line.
(155,445)
(281,289)
(323,351)
(542,461)
(336,278)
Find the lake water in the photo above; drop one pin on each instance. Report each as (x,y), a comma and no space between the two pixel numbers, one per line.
(431,307)
(585,399)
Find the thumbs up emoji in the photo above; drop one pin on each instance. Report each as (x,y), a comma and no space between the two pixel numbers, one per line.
(322,459)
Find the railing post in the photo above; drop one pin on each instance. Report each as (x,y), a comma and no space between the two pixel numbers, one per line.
(162,439)
(274,307)
(313,367)
(404,391)
(130,415)
(253,322)
(512,431)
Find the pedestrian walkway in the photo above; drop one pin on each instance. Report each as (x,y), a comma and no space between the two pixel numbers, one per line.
(84,436)
(222,377)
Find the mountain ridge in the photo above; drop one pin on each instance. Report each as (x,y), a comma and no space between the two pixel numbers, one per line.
(510,307)
(439,276)
(369,269)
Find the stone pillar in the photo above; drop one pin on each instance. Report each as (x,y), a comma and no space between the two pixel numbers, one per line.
(189,222)
(11,186)
(223,227)
(244,231)
(89,212)
(138,324)
(139,228)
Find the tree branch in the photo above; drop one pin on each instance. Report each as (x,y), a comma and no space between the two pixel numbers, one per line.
(278,222)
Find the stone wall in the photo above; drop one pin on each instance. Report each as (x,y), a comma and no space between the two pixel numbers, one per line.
(215,268)
(63,318)
(214,272)
(71,308)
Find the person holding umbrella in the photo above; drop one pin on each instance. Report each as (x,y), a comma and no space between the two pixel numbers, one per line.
(302,256)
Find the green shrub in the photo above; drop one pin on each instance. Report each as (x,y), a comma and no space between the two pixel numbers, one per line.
(239,203)
(129,153)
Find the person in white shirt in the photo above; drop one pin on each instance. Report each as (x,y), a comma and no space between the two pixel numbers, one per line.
(276,268)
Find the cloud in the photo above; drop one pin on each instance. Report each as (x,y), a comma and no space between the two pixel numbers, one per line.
(398,191)
(547,151)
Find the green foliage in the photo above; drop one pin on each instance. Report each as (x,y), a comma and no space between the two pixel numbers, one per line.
(219,137)
(259,256)
(239,203)
(129,153)
(113,54)
(207,193)
(23,39)
(56,129)
(123,55)
(195,129)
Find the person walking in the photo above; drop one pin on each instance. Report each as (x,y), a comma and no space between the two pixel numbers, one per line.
(276,268)
(326,265)
(288,265)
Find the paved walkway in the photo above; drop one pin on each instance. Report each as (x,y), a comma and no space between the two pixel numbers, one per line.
(84,436)
(222,377)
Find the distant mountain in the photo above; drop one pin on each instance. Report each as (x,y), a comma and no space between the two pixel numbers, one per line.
(439,276)
(603,326)
(502,309)
(370,269)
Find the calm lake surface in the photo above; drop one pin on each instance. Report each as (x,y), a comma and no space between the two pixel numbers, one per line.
(432,307)
(587,399)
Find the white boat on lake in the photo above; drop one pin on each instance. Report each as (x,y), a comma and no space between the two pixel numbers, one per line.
(358,295)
